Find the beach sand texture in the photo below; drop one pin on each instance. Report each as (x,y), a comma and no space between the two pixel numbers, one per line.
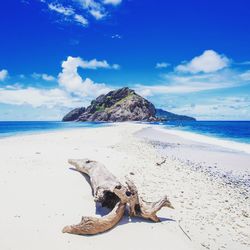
(40,194)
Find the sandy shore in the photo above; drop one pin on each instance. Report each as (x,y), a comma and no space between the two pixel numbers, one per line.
(213,184)
(40,195)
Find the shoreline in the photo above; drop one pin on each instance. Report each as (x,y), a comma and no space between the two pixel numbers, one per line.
(227,143)
(215,183)
(216,159)
(208,139)
(40,195)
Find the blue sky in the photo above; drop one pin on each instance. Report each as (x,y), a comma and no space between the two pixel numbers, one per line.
(189,57)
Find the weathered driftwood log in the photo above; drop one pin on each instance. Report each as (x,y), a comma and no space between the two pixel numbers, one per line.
(106,188)
(112,194)
(141,208)
(93,225)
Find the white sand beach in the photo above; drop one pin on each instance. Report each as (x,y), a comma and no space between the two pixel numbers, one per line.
(207,184)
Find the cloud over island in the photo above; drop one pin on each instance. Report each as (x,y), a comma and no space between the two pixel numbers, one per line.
(206,72)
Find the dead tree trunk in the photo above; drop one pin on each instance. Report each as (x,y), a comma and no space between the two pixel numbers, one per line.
(112,194)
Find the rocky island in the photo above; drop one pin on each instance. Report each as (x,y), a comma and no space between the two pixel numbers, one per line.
(121,105)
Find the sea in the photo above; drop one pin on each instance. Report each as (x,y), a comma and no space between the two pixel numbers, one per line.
(13,128)
(237,131)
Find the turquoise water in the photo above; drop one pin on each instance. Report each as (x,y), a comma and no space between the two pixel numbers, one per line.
(11,128)
(231,130)
(238,131)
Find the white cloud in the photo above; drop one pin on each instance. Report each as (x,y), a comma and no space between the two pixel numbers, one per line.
(209,61)
(3,74)
(70,79)
(77,10)
(43,76)
(243,63)
(61,9)
(245,76)
(92,64)
(147,91)
(175,83)
(116,66)
(227,108)
(113,2)
(162,65)
(37,97)
(97,14)
(68,12)
(96,9)
(48,77)
(116,36)
(81,19)
(68,93)
(91,4)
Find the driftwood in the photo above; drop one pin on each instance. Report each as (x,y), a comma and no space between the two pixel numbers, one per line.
(160,163)
(141,208)
(92,225)
(108,191)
